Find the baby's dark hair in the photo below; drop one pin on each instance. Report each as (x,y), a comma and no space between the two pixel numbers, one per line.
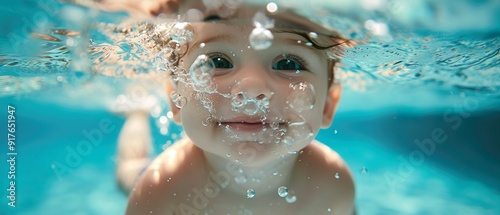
(332,45)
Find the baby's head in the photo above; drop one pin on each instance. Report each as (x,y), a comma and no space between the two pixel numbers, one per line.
(248,86)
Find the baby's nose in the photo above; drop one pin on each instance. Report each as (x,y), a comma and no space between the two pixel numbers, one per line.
(253,88)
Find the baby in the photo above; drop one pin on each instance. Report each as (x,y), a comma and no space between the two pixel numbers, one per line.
(251,90)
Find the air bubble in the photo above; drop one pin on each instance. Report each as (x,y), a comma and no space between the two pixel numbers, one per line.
(238,100)
(261,38)
(175,78)
(283,191)
(291,199)
(206,122)
(174,45)
(313,35)
(274,125)
(277,140)
(211,87)
(250,193)
(288,141)
(178,100)
(260,20)
(202,70)
(302,97)
(159,61)
(297,133)
(251,108)
(172,58)
(272,7)
(181,32)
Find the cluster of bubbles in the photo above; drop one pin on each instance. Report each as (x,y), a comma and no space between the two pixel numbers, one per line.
(168,40)
(136,48)
(261,37)
(250,106)
(282,192)
(179,34)
(200,79)
(164,42)
(171,39)
(224,8)
(302,98)
(201,73)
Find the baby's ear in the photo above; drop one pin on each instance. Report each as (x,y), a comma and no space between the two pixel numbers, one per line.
(175,110)
(331,102)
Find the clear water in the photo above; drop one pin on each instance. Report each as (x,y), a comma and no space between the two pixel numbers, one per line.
(420,67)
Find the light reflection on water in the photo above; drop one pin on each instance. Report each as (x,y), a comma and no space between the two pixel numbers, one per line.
(407,53)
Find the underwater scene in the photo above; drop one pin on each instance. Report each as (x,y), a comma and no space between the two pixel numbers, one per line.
(418,90)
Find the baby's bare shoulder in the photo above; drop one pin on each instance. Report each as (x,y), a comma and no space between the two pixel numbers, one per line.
(323,156)
(332,177)
(162,184)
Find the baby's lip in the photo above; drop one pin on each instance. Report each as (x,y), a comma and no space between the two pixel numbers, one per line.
(250,120)
(250,124)
(245,122)
(253,127)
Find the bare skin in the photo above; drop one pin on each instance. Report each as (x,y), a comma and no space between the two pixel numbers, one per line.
(168,185)
(195,175)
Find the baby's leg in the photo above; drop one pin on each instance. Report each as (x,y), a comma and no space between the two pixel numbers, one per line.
(134,146)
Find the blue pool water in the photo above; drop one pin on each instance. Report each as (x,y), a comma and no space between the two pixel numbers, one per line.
(459,178)
(436,70)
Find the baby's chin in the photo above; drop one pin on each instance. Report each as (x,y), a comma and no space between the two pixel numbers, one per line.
(253,153)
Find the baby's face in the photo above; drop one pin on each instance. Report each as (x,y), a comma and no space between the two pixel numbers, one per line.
(251,104)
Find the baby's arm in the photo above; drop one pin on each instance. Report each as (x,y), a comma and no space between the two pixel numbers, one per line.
(328,163)
(134,146)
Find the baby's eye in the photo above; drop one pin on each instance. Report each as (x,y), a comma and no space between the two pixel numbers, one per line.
(288,64)
(221,62)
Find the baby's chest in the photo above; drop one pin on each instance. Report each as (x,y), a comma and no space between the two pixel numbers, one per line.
(221,205)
